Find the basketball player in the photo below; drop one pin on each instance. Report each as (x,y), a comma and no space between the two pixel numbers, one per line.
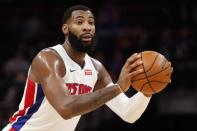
(64,82)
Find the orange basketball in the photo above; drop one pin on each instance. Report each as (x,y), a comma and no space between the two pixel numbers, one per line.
(156,75)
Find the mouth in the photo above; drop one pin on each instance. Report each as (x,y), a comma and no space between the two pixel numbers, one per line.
(86,37)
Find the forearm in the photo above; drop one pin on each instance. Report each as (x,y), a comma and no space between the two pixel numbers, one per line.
(129,109)
(84,103)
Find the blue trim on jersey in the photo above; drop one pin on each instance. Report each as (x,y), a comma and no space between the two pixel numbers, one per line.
(22,120)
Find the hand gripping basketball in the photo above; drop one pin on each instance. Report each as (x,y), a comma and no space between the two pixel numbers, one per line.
(156,74)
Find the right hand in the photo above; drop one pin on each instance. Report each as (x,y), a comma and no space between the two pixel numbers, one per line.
(128,72)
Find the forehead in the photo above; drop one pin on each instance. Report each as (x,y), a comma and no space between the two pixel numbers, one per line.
(82,14)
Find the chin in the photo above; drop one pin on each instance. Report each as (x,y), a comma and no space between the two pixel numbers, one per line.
(87,42)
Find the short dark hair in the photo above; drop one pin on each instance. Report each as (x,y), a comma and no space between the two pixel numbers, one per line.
(69,11)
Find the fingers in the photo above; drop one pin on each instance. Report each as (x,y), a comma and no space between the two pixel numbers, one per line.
(134,73)
(131,59)
(132,62)
(169,64)
(134,65)
(171,69)
(169,74)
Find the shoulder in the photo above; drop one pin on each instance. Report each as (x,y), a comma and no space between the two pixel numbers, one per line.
(47,60)
(47,53)
(47,57)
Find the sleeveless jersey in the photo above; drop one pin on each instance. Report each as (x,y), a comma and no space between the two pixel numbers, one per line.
(35,112)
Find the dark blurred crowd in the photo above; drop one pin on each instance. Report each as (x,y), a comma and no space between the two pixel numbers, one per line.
(123,28)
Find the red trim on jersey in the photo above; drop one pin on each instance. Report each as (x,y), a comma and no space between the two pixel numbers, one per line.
(12,129)
(29,100)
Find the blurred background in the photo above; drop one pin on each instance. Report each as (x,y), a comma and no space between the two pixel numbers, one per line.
(123,27)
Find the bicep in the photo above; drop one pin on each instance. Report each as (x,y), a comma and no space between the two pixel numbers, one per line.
(44,69)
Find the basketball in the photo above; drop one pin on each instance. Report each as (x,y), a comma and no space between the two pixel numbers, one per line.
(156,73)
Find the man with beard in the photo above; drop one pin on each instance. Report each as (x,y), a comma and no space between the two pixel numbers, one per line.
(64,82)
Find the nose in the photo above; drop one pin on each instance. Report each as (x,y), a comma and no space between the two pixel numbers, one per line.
(87,28)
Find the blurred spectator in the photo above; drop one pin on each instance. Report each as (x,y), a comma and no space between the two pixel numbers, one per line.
(15,65)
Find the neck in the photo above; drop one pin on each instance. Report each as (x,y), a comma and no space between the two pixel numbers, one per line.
(78,57)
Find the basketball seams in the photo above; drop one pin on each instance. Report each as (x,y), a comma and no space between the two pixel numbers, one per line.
(152,63)
(156,73)
(160,72)
(146,73)
(152,74)
(152,82)
(148,68)
(155,81)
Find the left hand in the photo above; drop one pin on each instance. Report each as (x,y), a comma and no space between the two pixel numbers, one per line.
(128,72)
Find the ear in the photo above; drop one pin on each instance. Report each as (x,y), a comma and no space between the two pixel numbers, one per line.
(65,29)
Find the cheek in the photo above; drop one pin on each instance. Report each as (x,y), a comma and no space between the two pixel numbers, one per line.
(75,30)
(94,29)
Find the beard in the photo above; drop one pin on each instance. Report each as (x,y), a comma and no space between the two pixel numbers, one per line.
(81,46)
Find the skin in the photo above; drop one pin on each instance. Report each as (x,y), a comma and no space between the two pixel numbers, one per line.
(48,70)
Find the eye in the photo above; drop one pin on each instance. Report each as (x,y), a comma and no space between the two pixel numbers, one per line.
(91,22)
(79,22)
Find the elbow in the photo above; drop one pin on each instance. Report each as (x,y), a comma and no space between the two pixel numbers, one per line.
(67,109)
(65,116)
(65,113)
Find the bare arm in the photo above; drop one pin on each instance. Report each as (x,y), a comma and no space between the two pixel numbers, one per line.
(47,70)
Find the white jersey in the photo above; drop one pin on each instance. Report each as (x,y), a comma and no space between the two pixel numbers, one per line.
(36,114)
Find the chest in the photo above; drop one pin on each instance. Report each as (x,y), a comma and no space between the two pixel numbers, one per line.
(80,81)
